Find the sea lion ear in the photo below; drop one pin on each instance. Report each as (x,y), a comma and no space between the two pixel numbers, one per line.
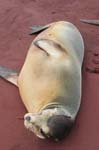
(38,29)
(59,126)
(50,47)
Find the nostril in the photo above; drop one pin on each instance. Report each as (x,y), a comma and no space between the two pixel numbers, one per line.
(28,118)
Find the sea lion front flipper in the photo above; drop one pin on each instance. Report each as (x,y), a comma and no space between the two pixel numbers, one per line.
(92,22)
(38,29)
(50,47)
(9,75)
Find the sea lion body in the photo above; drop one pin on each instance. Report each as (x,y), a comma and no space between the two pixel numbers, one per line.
(53,78)
(50,80)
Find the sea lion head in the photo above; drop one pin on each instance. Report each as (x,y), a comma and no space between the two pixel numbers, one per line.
(50,123)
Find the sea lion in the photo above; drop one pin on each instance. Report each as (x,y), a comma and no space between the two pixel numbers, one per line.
(92,22)
(50,79)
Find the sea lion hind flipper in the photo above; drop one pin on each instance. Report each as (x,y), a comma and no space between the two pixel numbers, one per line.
(92,22)
(9,75)
(38,29)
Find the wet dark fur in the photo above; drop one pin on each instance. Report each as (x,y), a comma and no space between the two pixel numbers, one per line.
(60,126)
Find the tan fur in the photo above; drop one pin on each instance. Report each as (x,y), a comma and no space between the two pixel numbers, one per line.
(56,78)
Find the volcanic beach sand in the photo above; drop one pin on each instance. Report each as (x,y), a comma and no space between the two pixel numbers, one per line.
(15,18)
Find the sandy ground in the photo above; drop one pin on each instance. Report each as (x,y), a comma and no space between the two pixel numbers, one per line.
(16,16)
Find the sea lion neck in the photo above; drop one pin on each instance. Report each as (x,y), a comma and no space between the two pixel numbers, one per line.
(51,106)
(61,109)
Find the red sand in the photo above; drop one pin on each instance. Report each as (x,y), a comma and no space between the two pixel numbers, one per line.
(15,18)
